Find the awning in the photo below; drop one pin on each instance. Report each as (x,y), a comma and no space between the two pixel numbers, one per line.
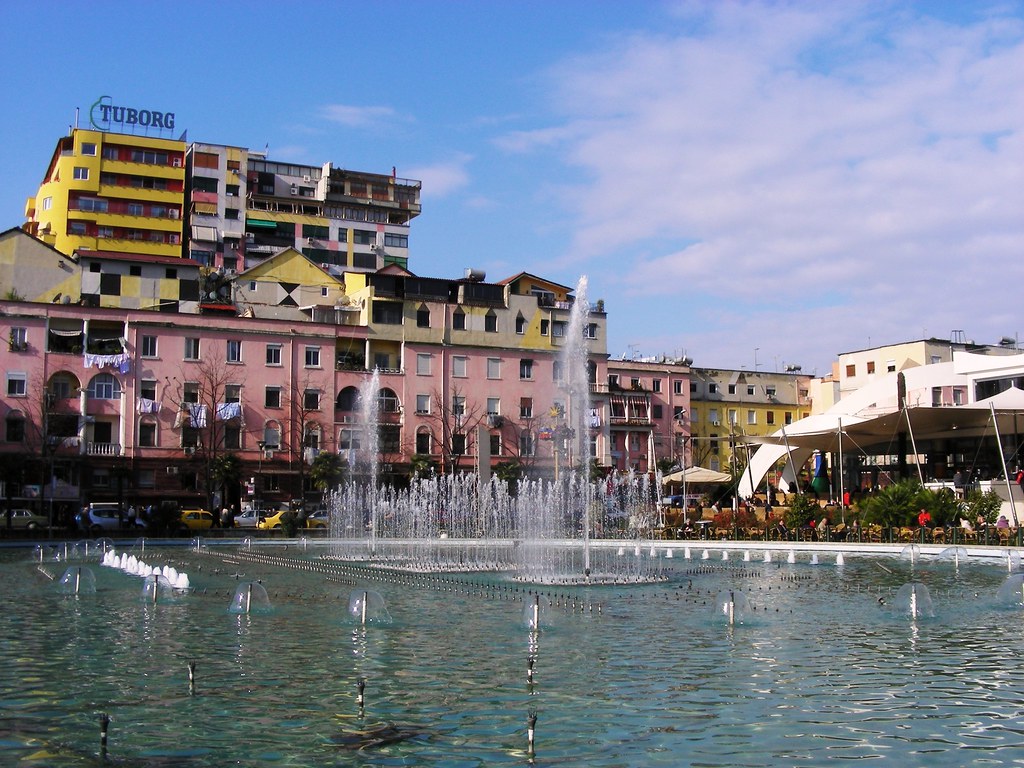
(208,234)
(697,475)
(209,209)
(260,224)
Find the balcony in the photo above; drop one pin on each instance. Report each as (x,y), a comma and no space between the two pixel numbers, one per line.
(102,449)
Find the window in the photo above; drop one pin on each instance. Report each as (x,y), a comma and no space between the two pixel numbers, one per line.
(231,214)
(656,411)
(348,440)
(544,325)
(713,416)
(679,414)
(147,434)
(520,325)
(634,383)
(190,392)
(712,388)
(493,368)
(613,381)
(232,393)
(458,405)
(273,354)
(851,370)
(558,329)
(146,478)
(89,148)
(104,387)
(387,312)
(272,436)
(590,331)
(491,322)
(525,369)
(459,320)
(147,389)
(557,370)
(789,417)
(422,404)
(495,444)
(493,406)
(871,366)
(15,423)
(677,386)
(459,366)
(423,364)
(526,443)
(311,400)
(655,385)
(81,174)
(395,241)
(770,391)
(732,389)
(232,436)
(890,366)
(733,416)
(423,442)
(192,349)
(234,352)
(769,418)
(272,397)
(18,339)
(526,408)
(423,317)
(458,444)
(751,390)
(751,417)
(312,357)
(47,203)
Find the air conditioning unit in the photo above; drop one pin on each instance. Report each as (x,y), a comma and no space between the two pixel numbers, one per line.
(309,241)
(173,213)
(295,190)
(268,455)
(172,470)
(716,423)
(176,162)
(307,179)
(190,451)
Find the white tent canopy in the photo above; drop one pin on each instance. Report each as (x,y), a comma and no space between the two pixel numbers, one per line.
(697,475)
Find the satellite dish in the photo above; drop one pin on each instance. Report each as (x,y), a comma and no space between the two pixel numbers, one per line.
(343,301)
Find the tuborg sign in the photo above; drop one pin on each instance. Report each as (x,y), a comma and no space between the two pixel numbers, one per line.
(105,115)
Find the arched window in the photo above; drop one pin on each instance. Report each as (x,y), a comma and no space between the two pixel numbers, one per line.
(104,387)
(63,385)
(423,441)
(348,399)
(272,436)
(387,401)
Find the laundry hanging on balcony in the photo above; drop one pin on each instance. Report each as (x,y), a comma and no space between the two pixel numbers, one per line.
(197,415)
(144,405)
(227,411)
(122,362)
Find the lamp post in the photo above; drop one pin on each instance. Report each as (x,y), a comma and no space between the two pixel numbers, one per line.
(51,445)
(257,498)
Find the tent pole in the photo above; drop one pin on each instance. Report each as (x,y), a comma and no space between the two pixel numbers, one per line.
(913,443)
(842,479)
(1002,460)
(789,454)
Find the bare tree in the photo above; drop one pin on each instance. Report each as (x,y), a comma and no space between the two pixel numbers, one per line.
(454,419)
(307,438)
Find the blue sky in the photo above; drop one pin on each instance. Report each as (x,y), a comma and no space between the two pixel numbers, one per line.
(799,179)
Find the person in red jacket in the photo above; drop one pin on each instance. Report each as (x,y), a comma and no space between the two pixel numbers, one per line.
(924,518)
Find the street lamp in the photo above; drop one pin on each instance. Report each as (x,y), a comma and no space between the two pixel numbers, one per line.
(261,444)
(51,445)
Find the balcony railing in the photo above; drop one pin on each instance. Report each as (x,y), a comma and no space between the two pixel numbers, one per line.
(103,449)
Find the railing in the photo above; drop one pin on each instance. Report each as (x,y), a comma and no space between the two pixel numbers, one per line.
(103,449)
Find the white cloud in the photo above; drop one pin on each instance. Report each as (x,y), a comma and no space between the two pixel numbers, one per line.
(359,117)
(443,178)
(776,154)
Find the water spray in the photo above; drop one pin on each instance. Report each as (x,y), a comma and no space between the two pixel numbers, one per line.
(531,728)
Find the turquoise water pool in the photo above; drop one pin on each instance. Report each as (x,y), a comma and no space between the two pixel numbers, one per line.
(825,667)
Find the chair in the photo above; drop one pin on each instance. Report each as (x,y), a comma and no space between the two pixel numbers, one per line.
(905,534)
(939,535)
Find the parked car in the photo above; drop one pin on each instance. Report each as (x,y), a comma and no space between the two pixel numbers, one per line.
(106,516)
(270,521)
(247,518)
(25,520)
(196,519)
(318,519)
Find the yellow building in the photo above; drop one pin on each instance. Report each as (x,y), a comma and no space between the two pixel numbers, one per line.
(111,192)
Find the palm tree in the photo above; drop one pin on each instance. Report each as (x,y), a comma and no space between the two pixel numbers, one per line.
(327,471)
(226,470)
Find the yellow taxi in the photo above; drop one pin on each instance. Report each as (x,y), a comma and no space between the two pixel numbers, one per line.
(196,519)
